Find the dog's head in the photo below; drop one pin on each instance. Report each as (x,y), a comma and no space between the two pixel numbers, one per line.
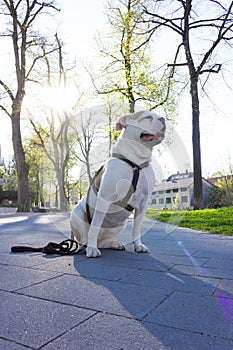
(144,127)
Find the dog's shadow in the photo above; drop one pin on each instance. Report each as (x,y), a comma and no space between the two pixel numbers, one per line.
(160,296)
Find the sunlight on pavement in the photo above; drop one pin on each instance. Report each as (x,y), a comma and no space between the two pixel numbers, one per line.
(8,220)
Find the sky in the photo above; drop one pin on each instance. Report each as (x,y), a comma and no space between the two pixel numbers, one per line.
(79,20)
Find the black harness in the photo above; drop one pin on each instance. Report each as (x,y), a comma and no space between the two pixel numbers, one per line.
(124,202)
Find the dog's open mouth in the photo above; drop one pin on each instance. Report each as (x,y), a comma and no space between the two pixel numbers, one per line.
(147,137)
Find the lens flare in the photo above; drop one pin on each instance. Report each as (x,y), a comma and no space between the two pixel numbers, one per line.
(224,303)
(226,306)
(200,270)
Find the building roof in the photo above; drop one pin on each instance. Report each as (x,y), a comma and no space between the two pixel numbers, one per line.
(213,180)
(178,181)
(179,176)
(169,185)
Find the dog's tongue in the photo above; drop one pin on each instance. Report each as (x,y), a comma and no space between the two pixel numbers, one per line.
(147,137)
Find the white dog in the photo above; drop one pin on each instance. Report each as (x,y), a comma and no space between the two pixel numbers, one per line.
(124,184)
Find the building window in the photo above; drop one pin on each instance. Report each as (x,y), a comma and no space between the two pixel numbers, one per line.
(184,199)
(168,191)
(168,200)
(183,189)
(161,201)
(160,192)
(154,192)
(153,201)
(175,190)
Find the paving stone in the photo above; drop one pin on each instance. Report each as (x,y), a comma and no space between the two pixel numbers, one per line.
(87,267)
(220,251)
(33,322)
(172,249)
(24,259)
(196,270)
(172,260)
(100,295)
(220,263)
(8,345)
(14,277)
(197,313)
(173,281)
(154,265)
(225,288)
(104,332)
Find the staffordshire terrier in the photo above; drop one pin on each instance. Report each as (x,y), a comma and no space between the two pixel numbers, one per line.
(124,184)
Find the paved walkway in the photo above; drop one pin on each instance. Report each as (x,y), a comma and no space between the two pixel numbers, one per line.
(177,297)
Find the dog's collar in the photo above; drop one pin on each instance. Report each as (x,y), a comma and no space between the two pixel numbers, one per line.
(132,164)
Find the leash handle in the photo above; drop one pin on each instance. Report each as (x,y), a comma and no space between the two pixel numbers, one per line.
(66,247)
(22,249)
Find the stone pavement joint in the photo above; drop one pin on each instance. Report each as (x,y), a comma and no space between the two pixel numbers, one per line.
(179,296)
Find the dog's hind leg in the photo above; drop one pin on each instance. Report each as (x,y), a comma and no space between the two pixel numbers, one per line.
(107,239)
(79,226)
(112,245)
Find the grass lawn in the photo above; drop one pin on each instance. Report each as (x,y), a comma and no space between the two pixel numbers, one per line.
(218,221)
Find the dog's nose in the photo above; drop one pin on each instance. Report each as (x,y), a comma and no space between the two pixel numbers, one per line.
(162,120)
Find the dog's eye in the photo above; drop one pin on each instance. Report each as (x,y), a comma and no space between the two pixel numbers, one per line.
(149,117)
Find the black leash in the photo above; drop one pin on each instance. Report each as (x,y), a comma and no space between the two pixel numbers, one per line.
(66,247)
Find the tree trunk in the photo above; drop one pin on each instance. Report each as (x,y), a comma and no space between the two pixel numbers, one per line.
(132,107)
(21,166)
(88,168)
(62,196)
(197,176)
(197,172)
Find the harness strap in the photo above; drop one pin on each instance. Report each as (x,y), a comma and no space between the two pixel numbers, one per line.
(141,166)
(124,202)
(89,218)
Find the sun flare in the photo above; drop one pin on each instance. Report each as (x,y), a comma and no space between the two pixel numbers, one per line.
(59,99)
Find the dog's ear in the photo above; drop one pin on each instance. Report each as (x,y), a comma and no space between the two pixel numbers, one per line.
(121,123)
(124,121)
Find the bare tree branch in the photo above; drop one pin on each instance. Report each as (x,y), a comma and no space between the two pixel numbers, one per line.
(42,143)
(215,69)
(5,110)
(7,89)
(36,59)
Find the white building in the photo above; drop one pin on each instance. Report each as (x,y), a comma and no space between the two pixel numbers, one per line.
(176,192)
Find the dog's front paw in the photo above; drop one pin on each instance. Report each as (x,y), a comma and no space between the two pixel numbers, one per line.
(139,247)
(92,252)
